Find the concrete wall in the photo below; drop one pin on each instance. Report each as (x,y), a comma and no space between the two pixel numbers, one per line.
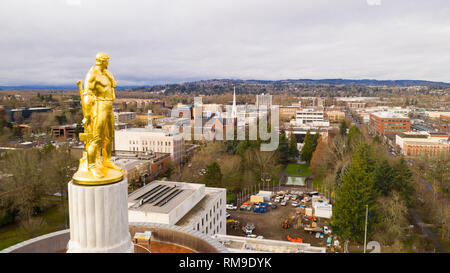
(57,241)
(48,243)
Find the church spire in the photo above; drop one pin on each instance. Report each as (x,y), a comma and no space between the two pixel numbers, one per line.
(234,109)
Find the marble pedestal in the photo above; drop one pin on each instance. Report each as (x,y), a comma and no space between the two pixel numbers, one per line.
(99,218)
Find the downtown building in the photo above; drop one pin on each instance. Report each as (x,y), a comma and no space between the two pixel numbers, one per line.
(188,205)
(150,140)
(389,123)
(423,143)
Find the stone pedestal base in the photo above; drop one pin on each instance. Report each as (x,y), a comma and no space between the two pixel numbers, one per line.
(99,218)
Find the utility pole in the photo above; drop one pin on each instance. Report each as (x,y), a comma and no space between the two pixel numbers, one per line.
(365,230)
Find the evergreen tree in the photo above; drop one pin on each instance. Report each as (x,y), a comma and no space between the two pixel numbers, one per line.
(357,191)
(293,150)
(283,149)
(383,177)
(242,147)
(307,149)
(315,140)
(402,182)
(213,175)
(354,137)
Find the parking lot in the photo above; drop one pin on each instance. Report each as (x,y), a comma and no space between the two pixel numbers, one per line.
(269,224)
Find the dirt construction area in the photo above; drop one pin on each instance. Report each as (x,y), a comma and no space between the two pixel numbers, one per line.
(269,224)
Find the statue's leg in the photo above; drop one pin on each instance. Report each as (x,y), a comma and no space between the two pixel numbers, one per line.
(94,147)
(108,143)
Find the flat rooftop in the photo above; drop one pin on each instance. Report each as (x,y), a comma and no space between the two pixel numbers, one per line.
(388,114)
(128,164)
(239,244)
(161,196)
(201,206)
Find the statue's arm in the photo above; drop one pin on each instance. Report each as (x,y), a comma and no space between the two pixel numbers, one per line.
(113,83)
(90,82)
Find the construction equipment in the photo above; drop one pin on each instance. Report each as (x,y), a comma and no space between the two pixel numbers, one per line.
(294,240)
(248,229)
(313,229)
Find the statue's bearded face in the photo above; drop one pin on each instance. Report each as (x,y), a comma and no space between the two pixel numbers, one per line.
(102,59)
(103,62)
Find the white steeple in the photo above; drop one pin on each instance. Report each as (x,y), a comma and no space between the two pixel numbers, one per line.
(234,109)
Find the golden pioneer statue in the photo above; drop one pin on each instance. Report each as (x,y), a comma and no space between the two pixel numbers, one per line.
(96,167)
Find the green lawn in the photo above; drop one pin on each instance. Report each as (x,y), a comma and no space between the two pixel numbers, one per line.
(13,233)
(298,169)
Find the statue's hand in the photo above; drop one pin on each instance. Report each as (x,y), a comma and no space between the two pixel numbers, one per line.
(86,120)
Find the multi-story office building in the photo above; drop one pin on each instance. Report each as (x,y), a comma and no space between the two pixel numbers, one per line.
(334,116)
(264,99)
(124,117)
(389,123)
(150,140)
(288,112)
(67,131)
(309,115)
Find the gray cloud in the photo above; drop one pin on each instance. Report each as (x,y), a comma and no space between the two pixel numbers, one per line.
(54,42)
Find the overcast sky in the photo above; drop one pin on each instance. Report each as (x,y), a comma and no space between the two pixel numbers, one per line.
(150,41)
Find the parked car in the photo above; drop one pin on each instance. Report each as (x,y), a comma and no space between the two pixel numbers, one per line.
(277,199)
(243,207)
(231,207)
(283,203)
(273,206)
(326,230)
(227,215)
(294,197)
(295,204)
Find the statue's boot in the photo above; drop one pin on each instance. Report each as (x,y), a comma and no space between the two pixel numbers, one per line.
(106,153)
(111,165)
(96,172)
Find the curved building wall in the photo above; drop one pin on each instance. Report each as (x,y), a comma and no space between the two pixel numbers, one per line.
(57,241)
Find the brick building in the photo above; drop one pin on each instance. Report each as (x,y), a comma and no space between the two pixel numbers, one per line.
(64,130)
(420,143)
(383,123)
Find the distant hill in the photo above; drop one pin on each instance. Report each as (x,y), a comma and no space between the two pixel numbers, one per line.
(367,82)
(347,82)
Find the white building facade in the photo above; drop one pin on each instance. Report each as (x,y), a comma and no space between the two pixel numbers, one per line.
(198,207)
(150,140)
(309,115)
